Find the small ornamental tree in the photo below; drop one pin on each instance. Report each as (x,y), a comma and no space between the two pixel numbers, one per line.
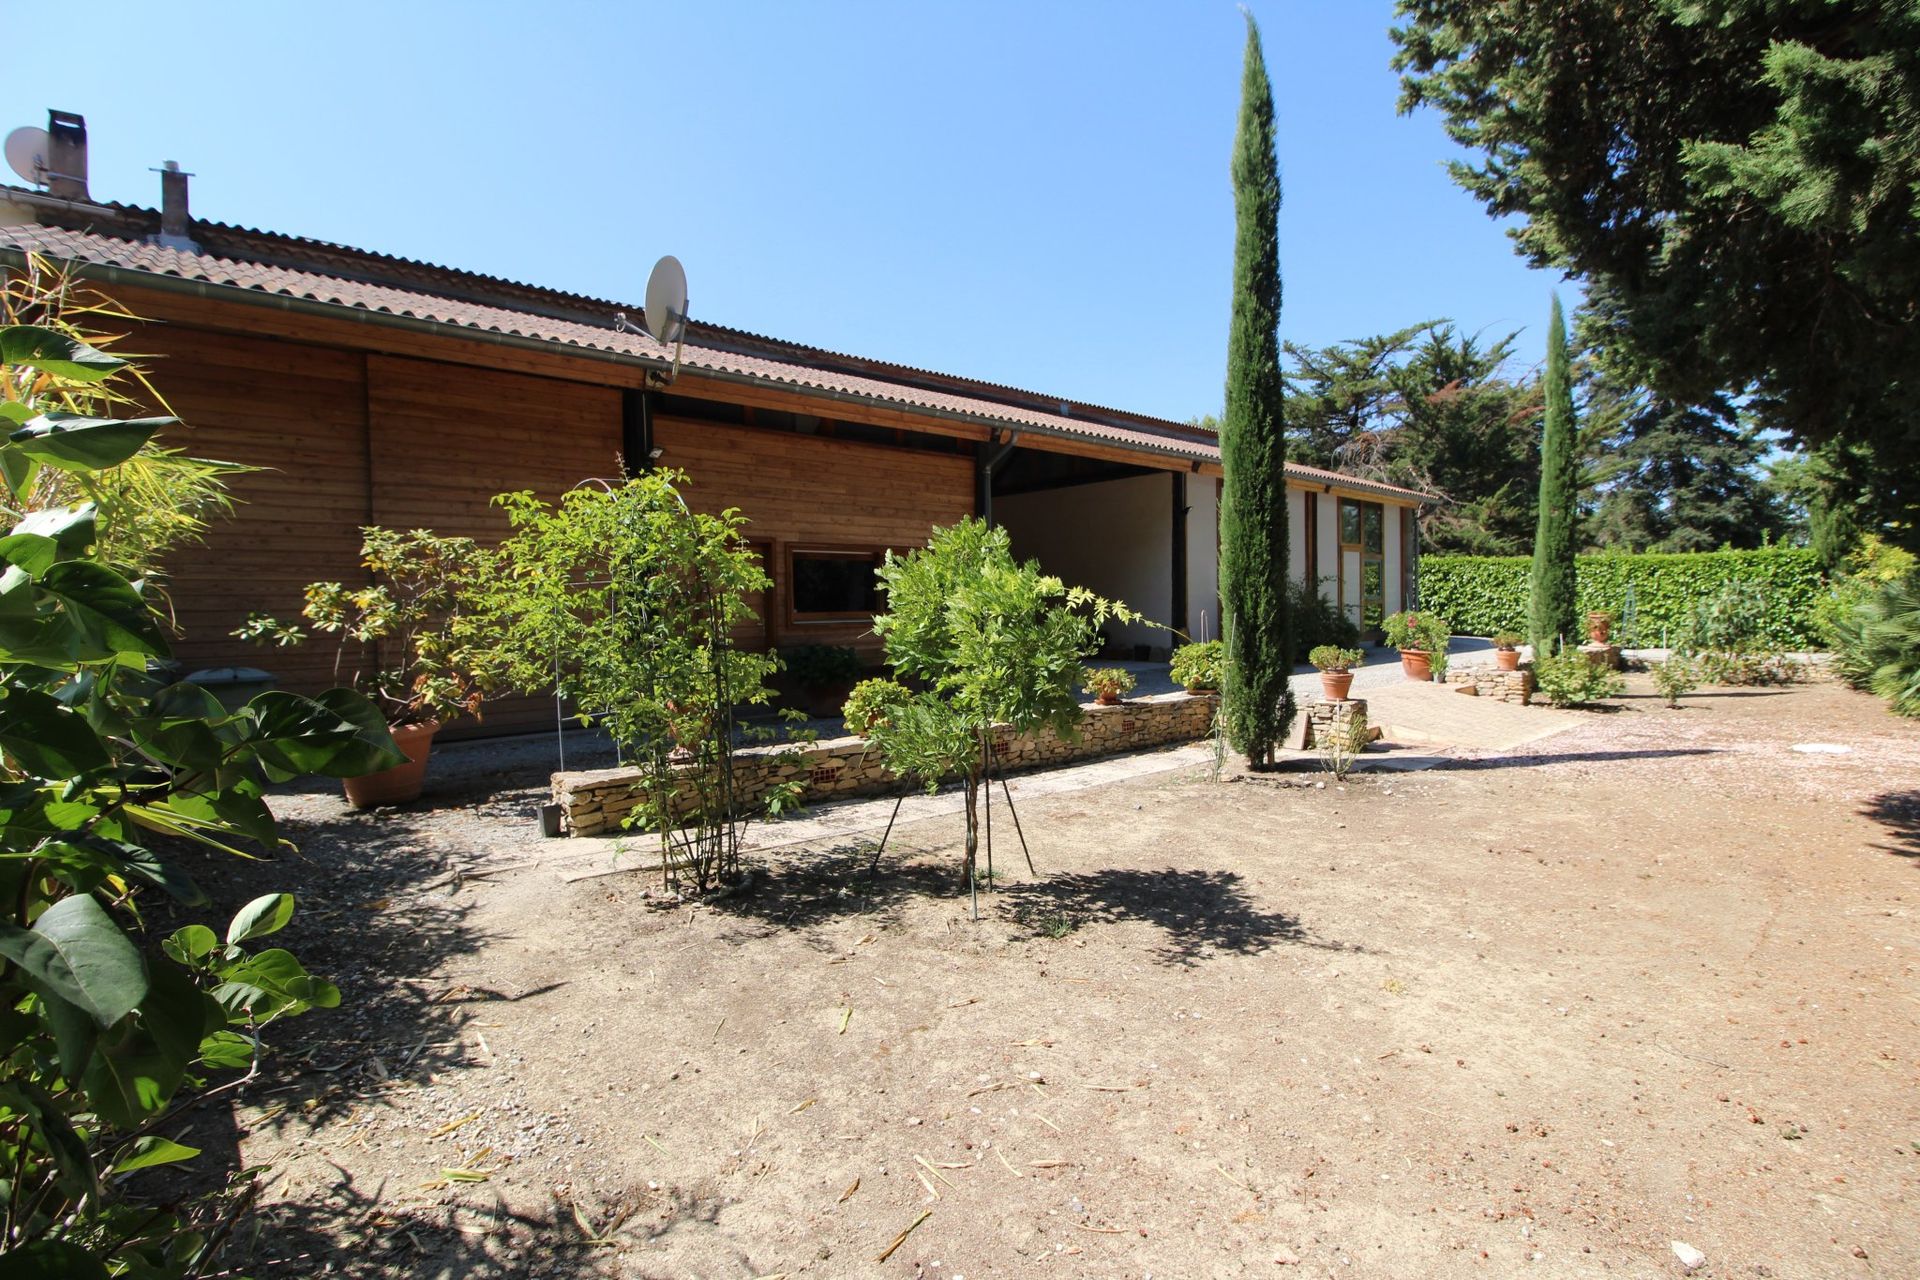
(628,600)
(109,1035)
(1550,611)
(993,642)
(1257,703)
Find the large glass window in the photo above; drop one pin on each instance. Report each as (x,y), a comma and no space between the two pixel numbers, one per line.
(1371,519)
(833,585)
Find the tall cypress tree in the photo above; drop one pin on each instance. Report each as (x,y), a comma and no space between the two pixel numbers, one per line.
(1253,447)
(1550,612)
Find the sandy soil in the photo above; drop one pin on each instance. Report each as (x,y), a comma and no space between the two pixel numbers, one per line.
(1653,981)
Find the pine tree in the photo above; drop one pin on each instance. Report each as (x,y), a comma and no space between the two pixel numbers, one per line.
(1550,613)
(1253,449)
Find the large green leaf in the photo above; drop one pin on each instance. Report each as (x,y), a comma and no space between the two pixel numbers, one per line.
(76,952)
(132,862)
(266,914)
(53,1260)
(57,353)
(46,739)
(108,616)
(148,1152)
(72,529)
(271,983)
(77,442)
(238,808)
(337,735)
(32,552)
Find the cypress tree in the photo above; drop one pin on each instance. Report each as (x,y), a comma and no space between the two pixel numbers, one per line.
(1253,517)
(1550,611)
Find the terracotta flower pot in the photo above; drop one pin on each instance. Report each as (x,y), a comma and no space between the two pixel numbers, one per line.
(1506,659)
(401,783)
(1335,684)
(1599,627)
(1416,664)
(1107,699)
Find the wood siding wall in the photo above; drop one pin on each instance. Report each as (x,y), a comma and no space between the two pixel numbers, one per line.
(346,438)
(805,491)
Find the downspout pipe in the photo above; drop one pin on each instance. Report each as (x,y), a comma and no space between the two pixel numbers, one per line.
(990,459)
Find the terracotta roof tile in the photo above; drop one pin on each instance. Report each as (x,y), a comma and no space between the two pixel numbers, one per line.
(781,364)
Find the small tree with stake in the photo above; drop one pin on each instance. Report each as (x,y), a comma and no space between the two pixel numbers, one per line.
(995,642)
(629,601)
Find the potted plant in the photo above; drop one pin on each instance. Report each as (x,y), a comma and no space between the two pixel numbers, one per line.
(871,702)
(1196,667)
(1506,651)
(1107,684)
(822,673)
(1336,669)
(1418,636)
(415,656)
(1599,625)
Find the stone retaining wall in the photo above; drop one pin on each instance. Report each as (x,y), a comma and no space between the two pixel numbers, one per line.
(594,802)
(1491,682)
(1325,719)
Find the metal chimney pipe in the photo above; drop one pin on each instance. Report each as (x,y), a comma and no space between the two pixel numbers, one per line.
(67,156)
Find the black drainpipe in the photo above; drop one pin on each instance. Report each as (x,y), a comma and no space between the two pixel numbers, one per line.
(636,431)
(986,459)
(1179,602)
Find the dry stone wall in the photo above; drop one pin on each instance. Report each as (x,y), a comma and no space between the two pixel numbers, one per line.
(596,801)
(1490,682)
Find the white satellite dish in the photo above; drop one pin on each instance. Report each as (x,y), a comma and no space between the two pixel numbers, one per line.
(27,149)
(666,317)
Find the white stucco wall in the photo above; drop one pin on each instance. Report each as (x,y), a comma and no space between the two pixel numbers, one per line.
(1114,537)
(1203,557)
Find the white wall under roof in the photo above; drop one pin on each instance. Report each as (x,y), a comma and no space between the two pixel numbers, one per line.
(1114,537)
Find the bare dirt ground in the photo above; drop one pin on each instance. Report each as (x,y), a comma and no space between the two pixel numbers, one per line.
(1545,1014)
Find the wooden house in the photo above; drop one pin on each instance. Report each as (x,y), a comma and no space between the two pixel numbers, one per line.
(372,389)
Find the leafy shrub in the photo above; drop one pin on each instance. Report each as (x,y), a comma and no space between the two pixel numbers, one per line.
(1507,639)
(820,666)
(1330,657)
(1421,629)
(425,664)
(1107,682)
(1198,666)
(1730,620)
(1722,667)
(106,1047)
(1877,645)
(1316,620)
(872,701)
(1871,566)
(1571,679)
(1674,677)
(1486,594)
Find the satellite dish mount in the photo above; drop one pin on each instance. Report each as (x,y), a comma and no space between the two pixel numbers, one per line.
(666,316)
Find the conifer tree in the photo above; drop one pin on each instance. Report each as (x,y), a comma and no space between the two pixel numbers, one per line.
(1550,612)
(1253,519)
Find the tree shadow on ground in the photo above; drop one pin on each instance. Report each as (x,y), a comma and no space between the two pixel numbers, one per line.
(1526,760)
(817,886)
(380,910)
(1201,913)
(1898,813)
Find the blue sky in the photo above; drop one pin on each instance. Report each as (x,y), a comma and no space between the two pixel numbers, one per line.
(1034,194)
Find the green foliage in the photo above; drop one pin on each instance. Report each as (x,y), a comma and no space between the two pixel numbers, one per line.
(1550,598)
(1732,619)
(1429,408)
(992,641)
(1313,619)
(1877,644)
(1733,182)
(1486,594)
(415,647)
(1571,679)
(1329,657)
(1107,682)
(1746,667)
(1678,675)
(872,701)
(1198,666)
(629,600)
(820,666)
(1871,565)
(105,1043)
(1257,702)
(1422,629)
(1507,640)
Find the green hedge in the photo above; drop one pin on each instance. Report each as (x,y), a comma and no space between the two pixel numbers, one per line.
(1482,595)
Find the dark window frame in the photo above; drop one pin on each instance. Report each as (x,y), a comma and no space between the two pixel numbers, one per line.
(798,617)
